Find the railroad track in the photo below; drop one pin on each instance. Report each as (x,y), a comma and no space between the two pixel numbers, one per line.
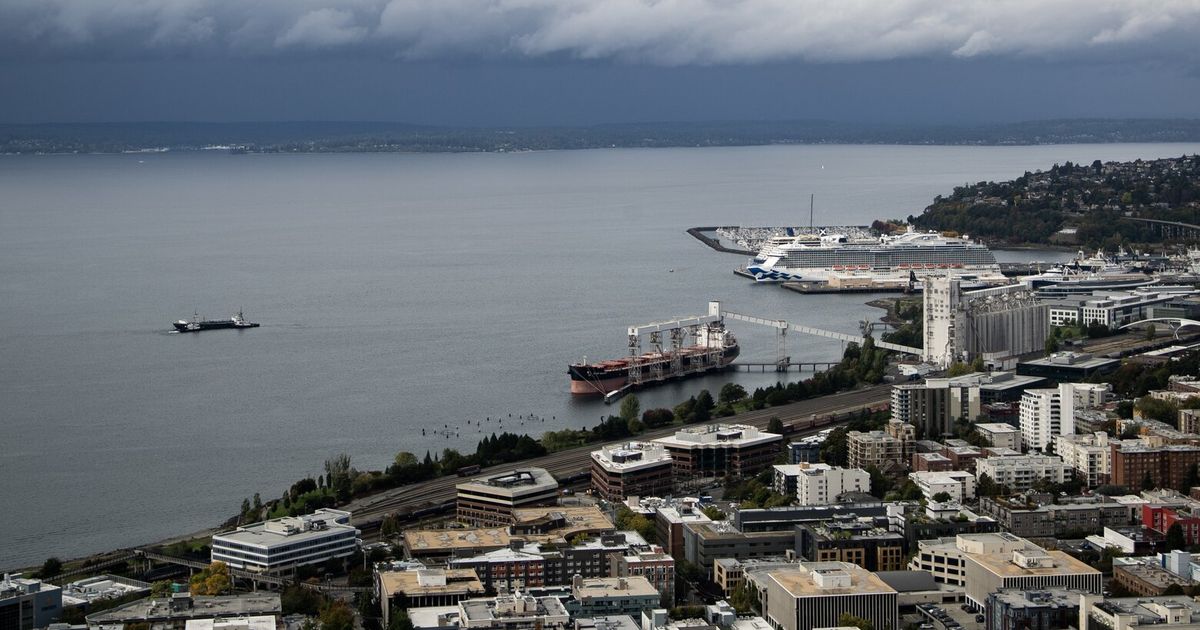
(797,417)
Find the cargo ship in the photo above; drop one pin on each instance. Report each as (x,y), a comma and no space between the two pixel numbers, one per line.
(715,349)
(196,324)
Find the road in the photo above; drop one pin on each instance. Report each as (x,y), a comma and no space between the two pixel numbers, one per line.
(368,511)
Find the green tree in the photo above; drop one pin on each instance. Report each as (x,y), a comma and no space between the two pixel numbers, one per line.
(161,589)
(631,408)
(775,425)
(298,600)
(1175,539)
(848,619)
(942,497)
(50,568)
(704,406)
(404,458)
(657,417)
(713,512)
(1150,332)
(1051,345)
(1190,479)
(731,393)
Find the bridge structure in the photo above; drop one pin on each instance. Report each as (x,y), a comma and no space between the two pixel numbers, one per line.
(1175,323)
(783,326)
(1172,229)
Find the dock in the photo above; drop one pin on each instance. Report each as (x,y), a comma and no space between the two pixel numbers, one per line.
(784,366)
(817,288)
(700,234)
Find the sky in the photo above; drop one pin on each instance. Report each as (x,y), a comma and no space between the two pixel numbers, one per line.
(578,62)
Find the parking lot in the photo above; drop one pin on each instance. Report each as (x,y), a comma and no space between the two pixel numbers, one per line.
(948,618)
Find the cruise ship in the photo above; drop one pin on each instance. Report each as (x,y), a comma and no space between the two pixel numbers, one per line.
(829,257)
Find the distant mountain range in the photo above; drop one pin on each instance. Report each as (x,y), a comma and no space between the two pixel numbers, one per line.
(317,137)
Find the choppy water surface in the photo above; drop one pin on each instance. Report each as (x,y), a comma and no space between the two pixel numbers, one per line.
(396,293)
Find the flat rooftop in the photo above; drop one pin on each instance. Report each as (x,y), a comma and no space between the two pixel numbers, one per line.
(800,582)
(202,607)
(631,456)
(997,427)
(454,539)
(632,586)
(736,435)
(260,622)
(430,582)
(100,587)
(519,481)
(565,521)
(1001,564)
(290,529)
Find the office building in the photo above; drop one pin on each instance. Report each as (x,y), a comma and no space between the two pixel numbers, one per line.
(958,484)
(418,587)
(1113,309)
(489,501)
(669,521)
(716,450)
(730,573)
(1019,473)
(816,595)
(632,469)
(288,542)
(82,594)
(439,545)
(26,604)
(705,542)
(1002,560)
(1068,366)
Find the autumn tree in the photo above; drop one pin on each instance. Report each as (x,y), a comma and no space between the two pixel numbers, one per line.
(211,581)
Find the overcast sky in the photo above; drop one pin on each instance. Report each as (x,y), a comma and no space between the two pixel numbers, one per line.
(530,62)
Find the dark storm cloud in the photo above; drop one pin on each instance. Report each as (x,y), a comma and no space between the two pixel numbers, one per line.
(658,32)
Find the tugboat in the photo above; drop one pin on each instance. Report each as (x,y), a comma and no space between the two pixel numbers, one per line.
(196,324)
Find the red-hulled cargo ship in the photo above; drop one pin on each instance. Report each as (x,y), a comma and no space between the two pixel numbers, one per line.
(715,349)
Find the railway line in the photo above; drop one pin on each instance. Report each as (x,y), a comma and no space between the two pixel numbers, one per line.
(430,497)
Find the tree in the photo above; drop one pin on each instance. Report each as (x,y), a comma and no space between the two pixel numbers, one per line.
(298,600)
(704,406)
(1051,345)
(657,417)
(161,588)
(336,615)
(1175,539)
(848,619)
(1147,481)
(404,458)
(941,497)
(1190,479)
(630,408)
(731,393)
(775,425)
(1150,331)
(50,568)
(211,581)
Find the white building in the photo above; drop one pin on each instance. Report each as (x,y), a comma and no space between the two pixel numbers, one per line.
(1000,435)
(287,542)
(816,594)
(1048,413)
(822,484)
(1113,308)
(1021,472)
(959,484)
(1088,455)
